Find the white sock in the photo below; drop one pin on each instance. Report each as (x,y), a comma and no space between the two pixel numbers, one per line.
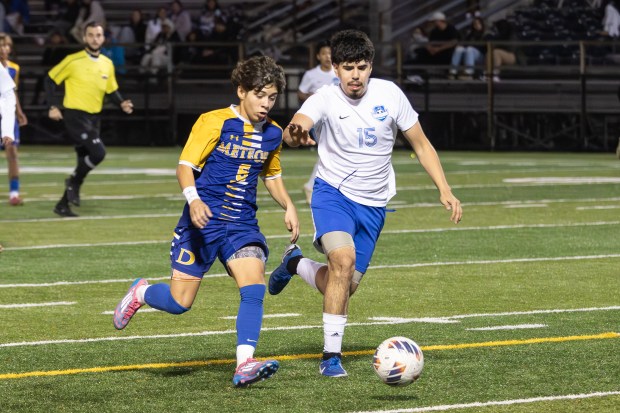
(244,352)
(307,270)
(333,331)
(140,293)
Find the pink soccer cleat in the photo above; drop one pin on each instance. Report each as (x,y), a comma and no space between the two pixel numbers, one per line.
(128,305)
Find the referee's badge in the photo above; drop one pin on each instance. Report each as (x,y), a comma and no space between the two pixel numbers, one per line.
(379,113)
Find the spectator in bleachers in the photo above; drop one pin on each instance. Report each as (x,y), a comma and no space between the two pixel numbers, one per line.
(55,50)
(90,11)
(504,53)
(192,52)
(469,54)
(208,16)
(115,52)
(133,32)
(159,57)
(17,15)
(611,20)
(442,41)
(68,13)
(153,27)
(181,18)
(418,42)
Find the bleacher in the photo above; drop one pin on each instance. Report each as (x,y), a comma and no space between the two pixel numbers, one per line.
(553,79)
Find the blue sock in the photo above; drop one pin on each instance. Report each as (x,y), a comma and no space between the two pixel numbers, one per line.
(158,296)
(250,315)
(14,185)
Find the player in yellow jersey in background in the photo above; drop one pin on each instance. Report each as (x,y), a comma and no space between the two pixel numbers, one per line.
(228,150)
(88,76)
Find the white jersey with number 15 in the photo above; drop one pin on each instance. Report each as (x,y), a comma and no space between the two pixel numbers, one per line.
(356,138)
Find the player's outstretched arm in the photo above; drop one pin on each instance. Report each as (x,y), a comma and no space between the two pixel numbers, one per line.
(298,131)
(429,160)
(278,192)
(199,212)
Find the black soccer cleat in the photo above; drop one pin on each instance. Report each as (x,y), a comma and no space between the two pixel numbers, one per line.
(64,211)
(73,191)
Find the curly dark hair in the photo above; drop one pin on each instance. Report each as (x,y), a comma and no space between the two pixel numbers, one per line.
(257,72)
(351,46)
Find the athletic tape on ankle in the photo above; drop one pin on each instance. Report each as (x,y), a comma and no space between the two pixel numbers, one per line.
(190,194)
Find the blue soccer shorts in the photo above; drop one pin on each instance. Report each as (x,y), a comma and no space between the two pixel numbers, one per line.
(194,250)
(332,211)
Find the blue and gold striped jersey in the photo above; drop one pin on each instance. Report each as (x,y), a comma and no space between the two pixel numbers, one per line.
(228,154)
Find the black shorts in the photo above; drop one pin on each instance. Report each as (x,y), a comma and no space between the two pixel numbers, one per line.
(83,127)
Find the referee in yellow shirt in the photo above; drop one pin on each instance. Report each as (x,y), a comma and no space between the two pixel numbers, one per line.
(88,76)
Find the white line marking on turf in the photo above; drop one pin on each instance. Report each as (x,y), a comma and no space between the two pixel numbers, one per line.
(400,320)
(512,327)
(142,310)
(452,318)
(234,317)
(400,231)
(28,305)
(422,264)
(445,407)
(584,208)
(526,206)
(279,211)
(287,328)
(553,180)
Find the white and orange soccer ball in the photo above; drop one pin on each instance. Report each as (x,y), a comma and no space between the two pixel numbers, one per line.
(398,361)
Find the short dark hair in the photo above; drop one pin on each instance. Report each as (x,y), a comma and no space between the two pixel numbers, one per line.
(257,72)
(92,24)
(351,46)
(322,44)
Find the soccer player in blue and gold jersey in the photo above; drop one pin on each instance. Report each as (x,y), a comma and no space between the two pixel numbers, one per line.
(88,76)
(228,150)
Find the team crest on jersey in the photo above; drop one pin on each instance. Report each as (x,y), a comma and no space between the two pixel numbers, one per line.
(379,113)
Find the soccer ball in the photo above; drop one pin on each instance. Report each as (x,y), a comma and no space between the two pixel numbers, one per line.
(398,361)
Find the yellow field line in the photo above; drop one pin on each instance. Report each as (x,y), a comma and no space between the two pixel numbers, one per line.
(301,356)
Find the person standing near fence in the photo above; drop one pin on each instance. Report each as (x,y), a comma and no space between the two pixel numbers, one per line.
(88,76)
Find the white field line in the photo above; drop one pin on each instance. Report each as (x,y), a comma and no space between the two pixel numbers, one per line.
(401,231)
(527,206)
(397,205)
(512,327)
(142,311)
(585,208)
(29,305)
(422,264)
(234,317)
(446,407)
(506,261)
(287,328)
(453,318)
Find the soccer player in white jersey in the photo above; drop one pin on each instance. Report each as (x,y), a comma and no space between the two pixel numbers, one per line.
(356,123)
(226,154)
(314,79)
(7,107)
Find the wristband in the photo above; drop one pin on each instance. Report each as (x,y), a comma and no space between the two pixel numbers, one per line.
(190,194)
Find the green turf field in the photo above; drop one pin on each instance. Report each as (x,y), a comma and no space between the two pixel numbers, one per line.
(517,308)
